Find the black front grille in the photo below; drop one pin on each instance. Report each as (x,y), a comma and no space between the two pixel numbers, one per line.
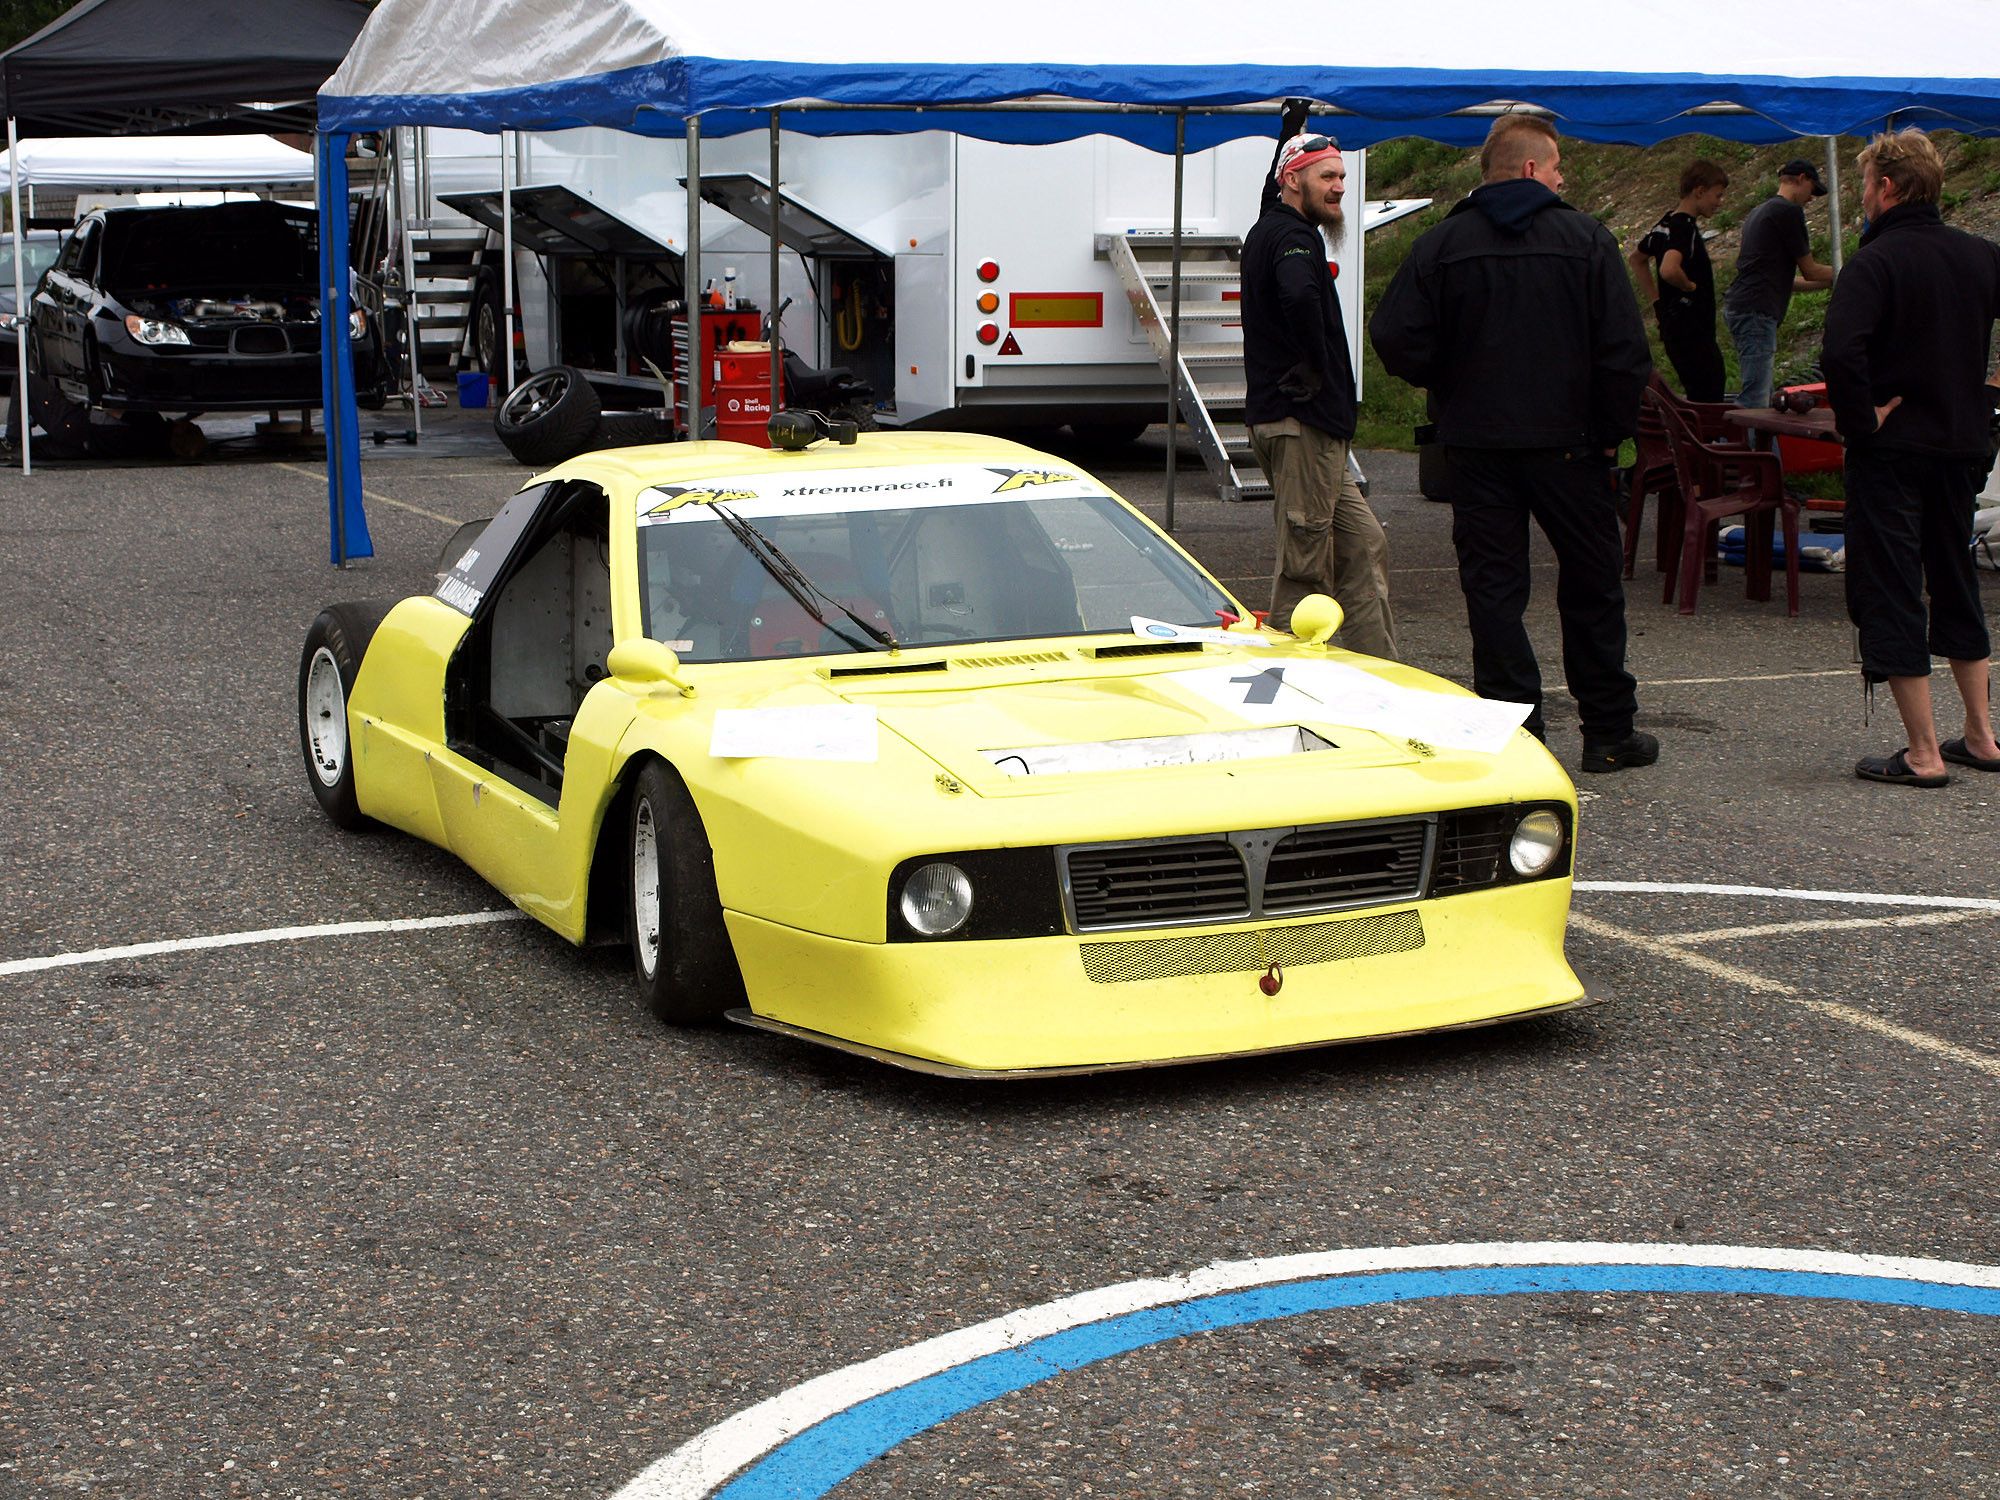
(1143,884)
(1318,867)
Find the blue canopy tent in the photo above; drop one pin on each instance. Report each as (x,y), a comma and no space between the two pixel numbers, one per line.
(1049,70)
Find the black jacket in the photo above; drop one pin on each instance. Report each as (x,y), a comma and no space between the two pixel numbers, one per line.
(1517,316)
(1912,316)
(1295,357)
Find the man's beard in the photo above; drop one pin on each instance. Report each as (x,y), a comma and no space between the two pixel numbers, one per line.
(1329,218)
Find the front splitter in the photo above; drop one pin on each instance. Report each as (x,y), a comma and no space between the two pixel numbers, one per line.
(1592,995)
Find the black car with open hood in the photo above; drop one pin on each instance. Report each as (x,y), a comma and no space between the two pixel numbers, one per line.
(192,309)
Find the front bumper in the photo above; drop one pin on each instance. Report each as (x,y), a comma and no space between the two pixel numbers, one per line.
(1030,1005)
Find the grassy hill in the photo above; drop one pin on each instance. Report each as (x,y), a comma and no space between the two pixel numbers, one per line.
(1628,188)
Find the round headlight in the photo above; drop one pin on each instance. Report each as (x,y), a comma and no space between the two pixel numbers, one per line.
(1538,839)
(936,899)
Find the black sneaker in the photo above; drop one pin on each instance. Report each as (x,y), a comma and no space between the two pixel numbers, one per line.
(1637,749)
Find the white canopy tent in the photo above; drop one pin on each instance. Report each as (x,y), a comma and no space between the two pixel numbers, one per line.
(159,163)
(1043,70)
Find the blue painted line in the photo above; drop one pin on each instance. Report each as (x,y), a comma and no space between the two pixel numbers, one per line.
(819,1458)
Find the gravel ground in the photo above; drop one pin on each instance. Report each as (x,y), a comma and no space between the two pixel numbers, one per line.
(444,1213)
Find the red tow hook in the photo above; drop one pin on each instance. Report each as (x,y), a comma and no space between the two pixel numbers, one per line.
(1273,980)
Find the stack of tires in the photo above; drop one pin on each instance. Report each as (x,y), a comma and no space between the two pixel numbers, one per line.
(554,415)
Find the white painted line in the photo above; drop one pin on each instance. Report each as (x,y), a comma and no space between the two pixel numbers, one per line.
(1765,677)
(1714,968)
(706,1461)
(415,510)
(245,939)
(1923,1041)
(1852,898)
(1827,924)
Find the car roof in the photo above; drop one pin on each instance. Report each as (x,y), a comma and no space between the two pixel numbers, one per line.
(676,463)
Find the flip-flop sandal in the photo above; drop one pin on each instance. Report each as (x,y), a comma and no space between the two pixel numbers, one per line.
(1895,769)
(1955,752)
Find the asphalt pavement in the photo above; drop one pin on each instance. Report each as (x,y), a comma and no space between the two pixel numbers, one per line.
(442,1212)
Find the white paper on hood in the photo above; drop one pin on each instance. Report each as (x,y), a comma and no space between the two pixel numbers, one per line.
(813,731)
(1166,630)
(1335,693)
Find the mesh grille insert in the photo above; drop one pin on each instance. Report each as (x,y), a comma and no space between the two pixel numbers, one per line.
(1178,881)
(1253,950)
(1368,862)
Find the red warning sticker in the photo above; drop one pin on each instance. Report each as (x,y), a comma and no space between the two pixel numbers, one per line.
(1009,346)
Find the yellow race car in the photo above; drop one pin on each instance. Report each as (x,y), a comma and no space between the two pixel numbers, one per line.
(932,749)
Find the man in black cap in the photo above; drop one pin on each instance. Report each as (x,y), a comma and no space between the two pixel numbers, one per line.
(1775,260)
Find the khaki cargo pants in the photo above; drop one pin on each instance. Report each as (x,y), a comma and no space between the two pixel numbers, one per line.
(1329,541)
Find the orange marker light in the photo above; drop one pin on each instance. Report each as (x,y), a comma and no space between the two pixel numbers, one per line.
(988,302)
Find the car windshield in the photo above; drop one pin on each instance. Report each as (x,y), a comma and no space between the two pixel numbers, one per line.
(41,254)
(222,246)
(949,553)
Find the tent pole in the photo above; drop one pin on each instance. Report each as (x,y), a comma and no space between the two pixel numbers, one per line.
(21,308)
(1833,197)
(410,325)
(771,307)
(1174,319)
(697,364)
(506,263)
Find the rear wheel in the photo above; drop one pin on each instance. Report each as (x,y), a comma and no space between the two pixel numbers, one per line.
(328,666)
(487,327)
(680,949)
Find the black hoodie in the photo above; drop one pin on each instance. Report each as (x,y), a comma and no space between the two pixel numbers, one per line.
(1520,321)
(1912,316)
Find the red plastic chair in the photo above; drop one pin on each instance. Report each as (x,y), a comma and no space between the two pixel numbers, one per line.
(1718,481)
(1653,469)
(1708,420)
(1652,474)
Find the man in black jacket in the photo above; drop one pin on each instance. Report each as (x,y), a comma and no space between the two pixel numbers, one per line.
(1907,340)
(1515,314)
(1300,404)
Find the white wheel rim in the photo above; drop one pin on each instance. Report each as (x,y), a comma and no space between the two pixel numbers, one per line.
(326,718)
(646,887)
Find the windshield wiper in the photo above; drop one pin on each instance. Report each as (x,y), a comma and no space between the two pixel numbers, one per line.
(802,589)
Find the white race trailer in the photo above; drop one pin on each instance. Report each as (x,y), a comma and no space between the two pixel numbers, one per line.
(970,283)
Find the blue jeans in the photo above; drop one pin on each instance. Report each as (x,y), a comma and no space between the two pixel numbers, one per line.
(1756,339)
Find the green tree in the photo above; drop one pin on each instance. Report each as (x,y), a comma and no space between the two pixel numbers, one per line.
(21,19)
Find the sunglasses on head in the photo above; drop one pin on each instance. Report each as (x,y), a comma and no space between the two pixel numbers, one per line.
(1318,143)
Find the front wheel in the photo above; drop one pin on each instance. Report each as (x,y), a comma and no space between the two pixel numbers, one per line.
(328,666)
(680,949)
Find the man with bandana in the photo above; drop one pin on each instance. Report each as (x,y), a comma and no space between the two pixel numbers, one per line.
(1300,404)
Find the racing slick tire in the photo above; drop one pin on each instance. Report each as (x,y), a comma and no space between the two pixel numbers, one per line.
(550,416)
(630,429)
(680,949)
(328,666)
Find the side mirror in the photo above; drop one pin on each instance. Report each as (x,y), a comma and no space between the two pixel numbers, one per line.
(1315,618)
(646,663)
